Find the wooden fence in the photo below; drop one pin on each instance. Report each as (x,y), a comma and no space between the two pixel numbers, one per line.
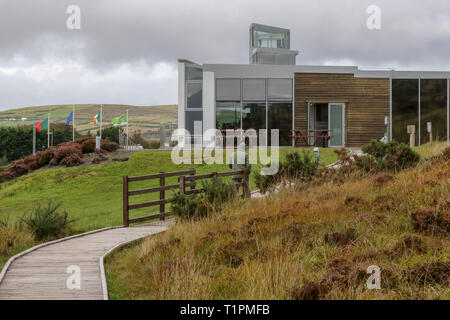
(186,179)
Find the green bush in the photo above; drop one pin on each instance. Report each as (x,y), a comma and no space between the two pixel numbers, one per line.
(111,133)
(392,155)
(187,207)
(47,222)
(17,142)
(215,194)
(296,167)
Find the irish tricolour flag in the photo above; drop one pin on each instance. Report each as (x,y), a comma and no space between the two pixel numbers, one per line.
(43,125)
(97,118)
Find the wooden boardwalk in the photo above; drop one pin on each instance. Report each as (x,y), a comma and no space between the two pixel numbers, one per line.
(42,273)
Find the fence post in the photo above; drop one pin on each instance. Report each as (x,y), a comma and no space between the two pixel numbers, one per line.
(125,201)
(192,183)
(245,184)
(162,206)
(182,185)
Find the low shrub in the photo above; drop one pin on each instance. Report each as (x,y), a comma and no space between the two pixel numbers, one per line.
(187,207)
(65,151)
(392,155)
(215,194)
(45,157)
(72,161)
(88,145)
(47,222)
(109,146)
(297,167)
(446,153)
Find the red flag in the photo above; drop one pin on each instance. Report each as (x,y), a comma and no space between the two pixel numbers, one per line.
(39,126)
(43,125)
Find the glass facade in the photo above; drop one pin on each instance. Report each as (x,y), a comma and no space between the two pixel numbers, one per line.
(433,108)
(280,117)
(255,106)
(268,37)
(405,108)
(280,89)
(228,115)
(228,90)
(254,89)
(192,116)
(194,95)
(254,115)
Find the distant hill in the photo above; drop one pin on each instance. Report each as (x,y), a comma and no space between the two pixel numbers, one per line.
(144,118)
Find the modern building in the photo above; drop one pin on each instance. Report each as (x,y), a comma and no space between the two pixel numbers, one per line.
(349,104)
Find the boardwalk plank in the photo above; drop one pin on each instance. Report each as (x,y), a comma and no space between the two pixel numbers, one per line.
(42,274)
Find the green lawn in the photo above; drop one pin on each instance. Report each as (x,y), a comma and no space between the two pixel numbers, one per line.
(93,194)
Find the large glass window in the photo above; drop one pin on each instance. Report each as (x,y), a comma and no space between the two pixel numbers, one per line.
(268,37)
(228,115)
(194,95)
(405,108)
(254,115)
(280,89)
(192,116)
(228,89)
(280,117)
(433,108)
(194,73)
(254,89)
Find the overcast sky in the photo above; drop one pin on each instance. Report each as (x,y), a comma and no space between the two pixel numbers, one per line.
(126,50)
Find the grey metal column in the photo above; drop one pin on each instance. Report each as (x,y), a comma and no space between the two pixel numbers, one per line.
(419,118)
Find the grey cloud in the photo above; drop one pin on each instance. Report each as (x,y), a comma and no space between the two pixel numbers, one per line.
(415,34)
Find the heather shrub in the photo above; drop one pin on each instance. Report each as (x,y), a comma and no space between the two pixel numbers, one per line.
(392,155)
(297,167)
(446,153)
(88,145)
(215,194)
(109,146)
(45,157)
(72,161)
(47,222)
(32,161)
(65,151)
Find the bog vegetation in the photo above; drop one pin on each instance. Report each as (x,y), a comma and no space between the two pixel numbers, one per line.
(313,239)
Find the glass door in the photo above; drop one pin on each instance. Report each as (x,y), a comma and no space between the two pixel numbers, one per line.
(336,124)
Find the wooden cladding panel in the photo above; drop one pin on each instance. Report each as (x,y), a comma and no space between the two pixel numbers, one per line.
(366,100)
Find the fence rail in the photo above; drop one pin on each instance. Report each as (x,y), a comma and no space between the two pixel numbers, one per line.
(186,178)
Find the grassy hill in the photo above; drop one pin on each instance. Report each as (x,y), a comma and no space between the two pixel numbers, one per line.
(144,118)
(91,194)
(310,243)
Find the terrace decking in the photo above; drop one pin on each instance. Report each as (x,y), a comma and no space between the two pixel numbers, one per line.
(42,273)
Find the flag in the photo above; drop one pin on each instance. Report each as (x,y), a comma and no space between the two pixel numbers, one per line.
(69,118)
(120,120)
(97,118)
(43,125)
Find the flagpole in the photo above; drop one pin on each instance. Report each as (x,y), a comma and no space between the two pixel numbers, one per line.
(127,129)
(34,133)
(101,120)
(48,131)
(73,122)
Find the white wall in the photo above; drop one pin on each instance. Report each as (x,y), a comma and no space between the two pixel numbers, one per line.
(209,101)
(181,95)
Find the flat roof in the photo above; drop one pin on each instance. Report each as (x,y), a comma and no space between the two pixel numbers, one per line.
(267,71)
